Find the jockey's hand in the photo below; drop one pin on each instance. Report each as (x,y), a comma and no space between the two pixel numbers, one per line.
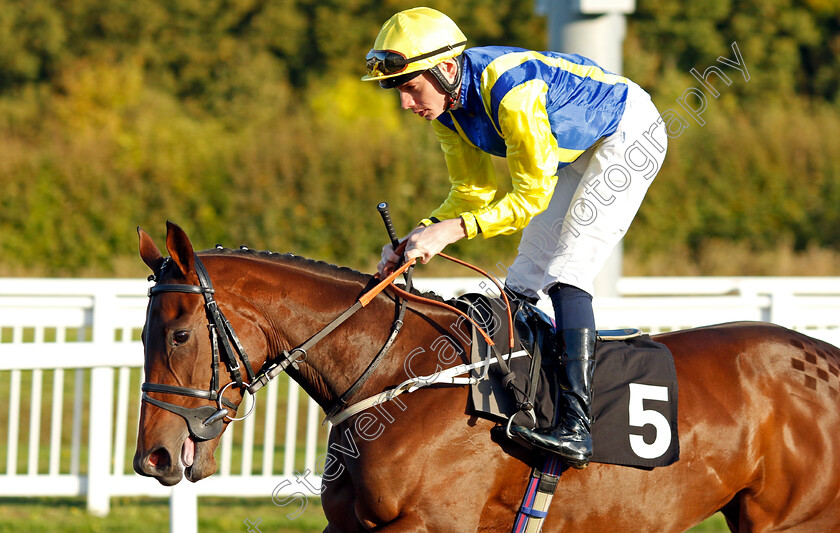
(426,242)
(390,259)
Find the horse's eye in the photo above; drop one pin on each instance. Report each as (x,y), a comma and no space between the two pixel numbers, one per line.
(181,336)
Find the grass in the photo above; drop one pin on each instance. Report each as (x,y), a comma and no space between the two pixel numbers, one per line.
(151,515)
(715,524)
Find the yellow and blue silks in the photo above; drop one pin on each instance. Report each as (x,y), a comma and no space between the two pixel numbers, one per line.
(540,110)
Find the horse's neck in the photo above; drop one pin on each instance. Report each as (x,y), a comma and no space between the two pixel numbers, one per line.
(309,303)
(294,304)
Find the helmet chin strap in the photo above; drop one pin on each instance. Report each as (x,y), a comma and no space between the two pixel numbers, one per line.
(450,88)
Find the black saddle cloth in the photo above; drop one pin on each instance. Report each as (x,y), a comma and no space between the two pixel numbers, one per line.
(634,402)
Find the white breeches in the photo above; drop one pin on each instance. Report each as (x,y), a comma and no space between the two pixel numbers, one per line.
(594,202)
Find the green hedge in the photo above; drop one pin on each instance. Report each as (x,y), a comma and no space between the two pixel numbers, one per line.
(245,123)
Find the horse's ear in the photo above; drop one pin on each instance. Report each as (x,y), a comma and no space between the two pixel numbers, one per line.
(149,251)
(180,248)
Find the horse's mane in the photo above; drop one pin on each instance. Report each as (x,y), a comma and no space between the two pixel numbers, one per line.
(316,266)
(313,265)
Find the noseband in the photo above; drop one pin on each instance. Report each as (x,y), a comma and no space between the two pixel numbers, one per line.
(205,422)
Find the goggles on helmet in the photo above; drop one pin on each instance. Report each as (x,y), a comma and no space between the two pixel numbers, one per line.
(390,62)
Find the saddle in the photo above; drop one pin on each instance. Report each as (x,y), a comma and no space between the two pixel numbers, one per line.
(634,404)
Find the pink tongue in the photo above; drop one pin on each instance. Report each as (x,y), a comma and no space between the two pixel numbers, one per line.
(188,452)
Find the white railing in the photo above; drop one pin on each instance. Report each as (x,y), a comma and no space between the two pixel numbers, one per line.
(71,369)
(658,304)
(70,372)
(809,305)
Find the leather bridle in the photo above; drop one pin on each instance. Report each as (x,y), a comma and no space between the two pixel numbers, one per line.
(207,422)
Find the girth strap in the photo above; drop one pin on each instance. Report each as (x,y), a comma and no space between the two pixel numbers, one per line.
(538,496)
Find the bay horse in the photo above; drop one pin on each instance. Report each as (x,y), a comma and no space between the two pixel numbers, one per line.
(759,424)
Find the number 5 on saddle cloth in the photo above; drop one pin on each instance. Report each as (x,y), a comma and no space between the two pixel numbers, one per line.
(634,403)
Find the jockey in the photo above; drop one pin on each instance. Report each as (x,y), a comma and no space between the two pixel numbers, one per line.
(582,146)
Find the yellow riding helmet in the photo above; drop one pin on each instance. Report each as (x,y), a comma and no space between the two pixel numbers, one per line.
(414,40)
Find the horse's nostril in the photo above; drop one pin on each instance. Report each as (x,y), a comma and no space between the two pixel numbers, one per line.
(159,459)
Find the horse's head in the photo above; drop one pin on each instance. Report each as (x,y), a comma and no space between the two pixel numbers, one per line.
(192,372)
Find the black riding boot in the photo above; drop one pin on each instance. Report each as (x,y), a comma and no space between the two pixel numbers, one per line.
(570,438)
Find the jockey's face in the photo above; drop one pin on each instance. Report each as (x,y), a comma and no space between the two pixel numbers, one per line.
(424,96)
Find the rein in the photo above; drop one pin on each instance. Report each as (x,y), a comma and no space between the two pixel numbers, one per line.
(206,422)
(276,368)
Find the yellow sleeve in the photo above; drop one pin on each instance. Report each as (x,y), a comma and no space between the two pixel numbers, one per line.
(532,156)
(471,176)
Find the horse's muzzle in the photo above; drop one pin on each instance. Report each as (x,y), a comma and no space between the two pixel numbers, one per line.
(160,465)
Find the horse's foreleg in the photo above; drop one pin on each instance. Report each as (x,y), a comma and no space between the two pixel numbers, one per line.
(339,508)
(347,524)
